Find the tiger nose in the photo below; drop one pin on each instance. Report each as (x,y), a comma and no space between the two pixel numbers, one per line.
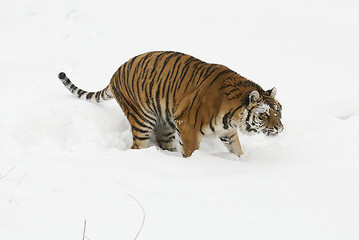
(279,127)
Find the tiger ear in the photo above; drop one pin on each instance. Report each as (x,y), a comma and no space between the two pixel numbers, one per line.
(253,96)
(273,92)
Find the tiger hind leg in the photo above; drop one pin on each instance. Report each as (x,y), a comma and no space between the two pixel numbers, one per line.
(166,138)
(141,130)
(140,139)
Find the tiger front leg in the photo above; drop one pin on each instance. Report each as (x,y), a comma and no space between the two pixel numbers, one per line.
(231,141)
(189,138)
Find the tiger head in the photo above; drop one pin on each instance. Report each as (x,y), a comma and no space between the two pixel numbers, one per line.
(263,114)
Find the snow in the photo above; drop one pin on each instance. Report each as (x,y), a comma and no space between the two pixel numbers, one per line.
(262,108)
(64,160)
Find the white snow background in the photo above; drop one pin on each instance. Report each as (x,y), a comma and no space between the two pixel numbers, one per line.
(64,160)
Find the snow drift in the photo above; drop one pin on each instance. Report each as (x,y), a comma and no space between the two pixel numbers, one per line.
(63,160)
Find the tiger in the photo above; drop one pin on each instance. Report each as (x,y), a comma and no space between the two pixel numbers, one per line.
(171,95)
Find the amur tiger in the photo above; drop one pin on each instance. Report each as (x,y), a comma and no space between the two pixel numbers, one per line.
(167,93)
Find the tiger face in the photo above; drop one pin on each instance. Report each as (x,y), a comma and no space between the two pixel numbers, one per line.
(264,114)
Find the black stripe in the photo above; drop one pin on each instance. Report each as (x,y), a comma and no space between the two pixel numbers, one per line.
(140,123)
(144,84)
(200,129)
(144,68)
(205,77)
(211,126)
(206,74)
(126,82)
(230,137)
(167,140)
(173,126)
(145,58)
(133,86)
(184,71)
(139,115)
(175,71)
(103,93)
(168,134)
(232,113)
(202,72)
(131,62)
(221,73)
(231,91)
(193,76)
(141,138)
(80,93)
(196,116)
(235,96)
(210,67)
(129,84)
(225,120)
(97,96)
(139,130)
(148,103)
(195,96)
(166,62)
(72,88)
(156,63)
(89,95)
(177,117)
(165,84)
(168,116)
(181,77)
(158,102)
(247,120)
(145,116)
(150,97)
(225,86)
(66,81)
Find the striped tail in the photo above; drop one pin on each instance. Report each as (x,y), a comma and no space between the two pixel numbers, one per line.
(99,96)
